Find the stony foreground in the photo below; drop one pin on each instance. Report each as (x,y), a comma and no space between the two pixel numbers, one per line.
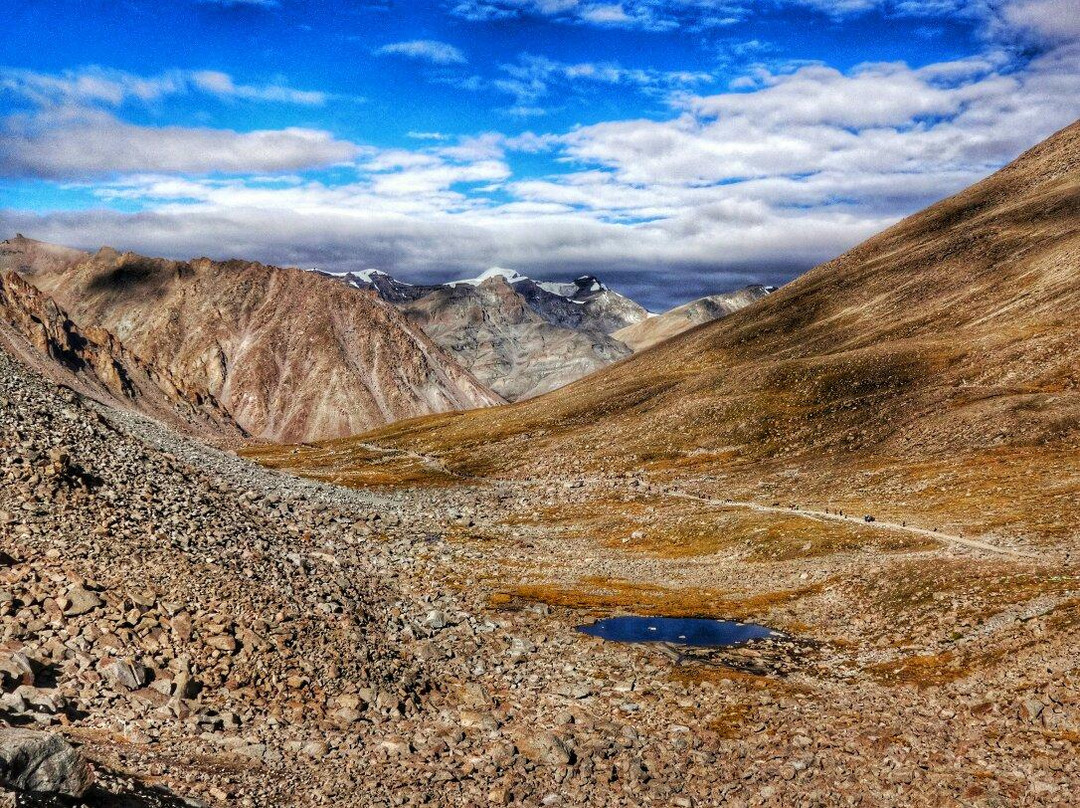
(208,633)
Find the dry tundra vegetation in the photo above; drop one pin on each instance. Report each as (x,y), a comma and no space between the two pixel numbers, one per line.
(390,621)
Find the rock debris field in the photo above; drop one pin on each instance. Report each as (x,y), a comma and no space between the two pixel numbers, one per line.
(183,628)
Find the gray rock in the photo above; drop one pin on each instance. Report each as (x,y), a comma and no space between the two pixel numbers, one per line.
(81,601)
(129,675)
(42,762)
(435,619)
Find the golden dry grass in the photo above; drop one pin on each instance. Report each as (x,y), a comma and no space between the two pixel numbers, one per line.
(607,596)
(344,462)
(663,526)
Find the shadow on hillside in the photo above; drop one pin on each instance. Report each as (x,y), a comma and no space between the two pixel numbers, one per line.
(113,794)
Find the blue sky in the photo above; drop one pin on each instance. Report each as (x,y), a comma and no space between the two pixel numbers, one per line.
(673,147)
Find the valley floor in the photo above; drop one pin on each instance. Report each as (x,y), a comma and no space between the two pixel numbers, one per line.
(213,632)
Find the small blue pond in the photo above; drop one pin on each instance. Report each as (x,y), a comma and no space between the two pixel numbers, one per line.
(697,631)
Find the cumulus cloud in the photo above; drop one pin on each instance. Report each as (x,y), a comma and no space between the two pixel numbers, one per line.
(1047,20)
(79,144)
(103,87)
(425,50)
(736,185)
(788,167)
(880,119)
(532,79)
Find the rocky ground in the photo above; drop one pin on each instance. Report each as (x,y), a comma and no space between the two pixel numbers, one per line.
(209,632)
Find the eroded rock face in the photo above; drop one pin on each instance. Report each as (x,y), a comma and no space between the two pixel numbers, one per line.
(494,332)
(93,360)
(43,763)
(290,355)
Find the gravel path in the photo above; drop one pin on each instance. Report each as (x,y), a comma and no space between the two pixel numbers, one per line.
(974,544)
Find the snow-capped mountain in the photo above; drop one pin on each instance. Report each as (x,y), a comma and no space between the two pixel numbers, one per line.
(522,337)
(519,336)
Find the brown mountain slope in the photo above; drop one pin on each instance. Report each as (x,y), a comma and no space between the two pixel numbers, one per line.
(94,362)
(290,354)
(655,330)
(934,369)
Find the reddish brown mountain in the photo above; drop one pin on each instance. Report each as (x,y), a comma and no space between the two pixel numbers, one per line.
(290,355)
(95,363)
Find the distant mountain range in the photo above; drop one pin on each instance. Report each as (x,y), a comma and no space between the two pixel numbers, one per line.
(516,335)
(523,337)
(238,349)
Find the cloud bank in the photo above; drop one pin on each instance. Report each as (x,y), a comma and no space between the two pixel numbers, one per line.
(788,166)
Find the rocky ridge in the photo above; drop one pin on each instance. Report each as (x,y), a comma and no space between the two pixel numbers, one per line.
(524,337)
(519,336)
(288,354)
(93,360)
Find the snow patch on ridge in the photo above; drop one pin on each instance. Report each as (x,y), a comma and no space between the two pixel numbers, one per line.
(510,275)
(367,274)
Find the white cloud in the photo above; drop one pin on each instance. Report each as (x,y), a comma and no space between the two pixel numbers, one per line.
(533,74)
(647,14)
(1047,20)
(790,173)
(884,119)
(795,167)
(101,87)
(611,14)
(77,143)
(426,50)
(222,85)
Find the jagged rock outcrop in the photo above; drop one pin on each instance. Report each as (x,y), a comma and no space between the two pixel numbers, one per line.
(494,332)
(94,361)
(290,355)
(673,322)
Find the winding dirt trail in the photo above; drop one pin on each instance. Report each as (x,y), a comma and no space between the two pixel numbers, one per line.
(431,462)
(436,464)
(950,538)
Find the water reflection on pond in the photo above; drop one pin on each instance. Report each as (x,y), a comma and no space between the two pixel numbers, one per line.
(697,631)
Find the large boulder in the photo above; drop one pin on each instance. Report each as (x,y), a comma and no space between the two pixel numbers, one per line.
(42,762)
